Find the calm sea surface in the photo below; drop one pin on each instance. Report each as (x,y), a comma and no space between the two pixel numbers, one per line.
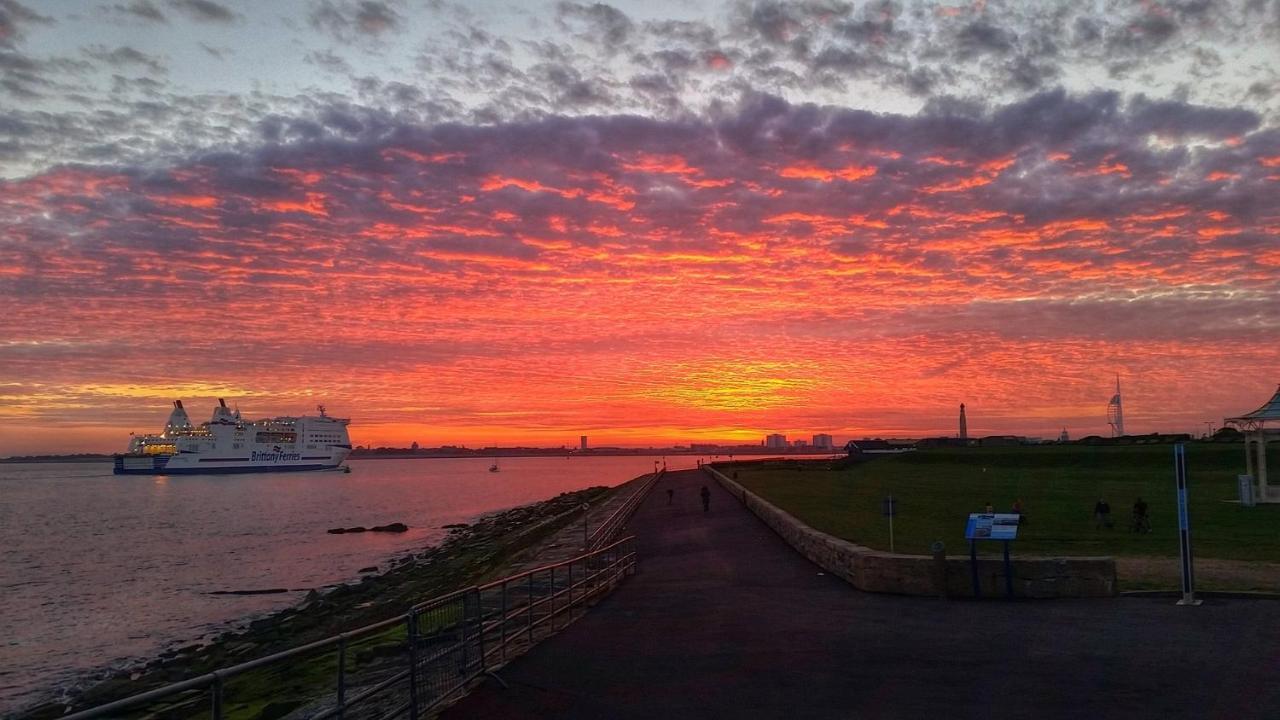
(98,570)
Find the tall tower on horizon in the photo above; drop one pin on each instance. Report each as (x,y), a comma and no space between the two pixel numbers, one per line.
(964,424)
(1115,412)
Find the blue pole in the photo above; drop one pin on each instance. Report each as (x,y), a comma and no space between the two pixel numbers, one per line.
(1184,526)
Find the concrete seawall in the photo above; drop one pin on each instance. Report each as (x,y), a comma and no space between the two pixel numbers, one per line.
(883,572)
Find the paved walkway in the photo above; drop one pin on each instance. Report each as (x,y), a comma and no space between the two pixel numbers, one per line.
(724,620)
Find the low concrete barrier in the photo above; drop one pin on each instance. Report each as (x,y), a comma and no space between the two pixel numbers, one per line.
(877,571)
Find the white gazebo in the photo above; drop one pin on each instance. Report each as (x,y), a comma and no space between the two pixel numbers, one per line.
(1254,427)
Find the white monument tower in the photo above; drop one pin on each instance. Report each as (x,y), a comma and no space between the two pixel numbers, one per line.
(1115,413)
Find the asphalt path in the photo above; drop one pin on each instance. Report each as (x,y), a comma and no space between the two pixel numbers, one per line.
(725,620)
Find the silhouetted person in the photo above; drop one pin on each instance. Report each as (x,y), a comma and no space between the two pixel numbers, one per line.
(1101,514)
(1017,510)
(989,509)
(670,495)
(706,499)
(1141,522)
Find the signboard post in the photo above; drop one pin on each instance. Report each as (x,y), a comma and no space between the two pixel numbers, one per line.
(1184,526)
(992,526)
(889,508)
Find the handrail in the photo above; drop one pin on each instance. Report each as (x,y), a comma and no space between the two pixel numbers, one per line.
(621,562)
(618,517)
(220,674)
(546,568)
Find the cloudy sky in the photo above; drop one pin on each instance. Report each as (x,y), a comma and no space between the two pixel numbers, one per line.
(498,222)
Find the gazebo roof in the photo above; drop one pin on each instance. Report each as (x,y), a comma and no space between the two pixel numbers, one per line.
(1269,411)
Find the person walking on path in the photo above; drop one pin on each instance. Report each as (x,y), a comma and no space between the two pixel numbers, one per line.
(670,495)
(706,499)
(1101,514)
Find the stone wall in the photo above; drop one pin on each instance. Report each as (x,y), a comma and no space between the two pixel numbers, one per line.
(877,571)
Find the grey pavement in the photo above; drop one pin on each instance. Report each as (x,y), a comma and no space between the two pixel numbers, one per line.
(724,620)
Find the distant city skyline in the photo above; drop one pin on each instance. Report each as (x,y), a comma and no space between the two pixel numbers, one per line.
(645,222)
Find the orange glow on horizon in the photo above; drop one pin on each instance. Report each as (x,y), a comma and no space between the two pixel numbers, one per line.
(640,292)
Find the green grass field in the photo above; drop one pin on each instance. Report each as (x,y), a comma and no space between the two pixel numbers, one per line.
(1058,486)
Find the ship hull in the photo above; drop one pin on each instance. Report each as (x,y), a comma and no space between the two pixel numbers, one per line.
(160,465)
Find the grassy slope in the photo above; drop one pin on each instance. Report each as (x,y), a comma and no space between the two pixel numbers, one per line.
(1058,485)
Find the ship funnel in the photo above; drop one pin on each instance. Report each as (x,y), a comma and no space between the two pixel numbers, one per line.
(222,413)
(178,420)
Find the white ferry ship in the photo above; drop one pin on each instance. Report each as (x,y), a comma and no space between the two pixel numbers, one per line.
(228,444)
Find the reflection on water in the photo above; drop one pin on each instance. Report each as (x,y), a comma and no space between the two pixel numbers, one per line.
(98,568)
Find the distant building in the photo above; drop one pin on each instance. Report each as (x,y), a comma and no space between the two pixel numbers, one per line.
(799,444)
(823,441)
(1002,441)
(582,442)
(964,424)
(868,446)
(414,446)
(776,440)
(1064,437)
(703,447)
(937,442)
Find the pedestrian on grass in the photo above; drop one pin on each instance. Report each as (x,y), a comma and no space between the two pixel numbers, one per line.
(989,509)
(706,499)
(1141,523)
(1017,510)
(1101,514)
(670,495)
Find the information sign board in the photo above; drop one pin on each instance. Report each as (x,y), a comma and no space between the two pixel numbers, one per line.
(992,526)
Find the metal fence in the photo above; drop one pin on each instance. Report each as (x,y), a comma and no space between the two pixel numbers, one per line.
(401,667)
(618,519)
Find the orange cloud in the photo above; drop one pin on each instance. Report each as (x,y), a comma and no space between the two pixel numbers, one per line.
(806,171)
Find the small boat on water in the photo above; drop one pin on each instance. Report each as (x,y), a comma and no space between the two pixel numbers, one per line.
(494,466)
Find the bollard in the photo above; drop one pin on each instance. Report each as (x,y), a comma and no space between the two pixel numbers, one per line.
(939,567)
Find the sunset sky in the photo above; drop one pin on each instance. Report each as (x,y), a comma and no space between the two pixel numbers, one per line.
(648,222)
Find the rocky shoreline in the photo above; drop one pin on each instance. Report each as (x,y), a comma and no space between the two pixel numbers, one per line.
(470,554)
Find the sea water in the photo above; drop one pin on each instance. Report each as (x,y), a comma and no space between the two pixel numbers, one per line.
(99,570)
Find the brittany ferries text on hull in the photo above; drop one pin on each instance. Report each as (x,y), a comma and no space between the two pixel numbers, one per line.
(227,444)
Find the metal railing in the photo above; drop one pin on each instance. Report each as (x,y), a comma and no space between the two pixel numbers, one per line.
(403,666)
(618,518)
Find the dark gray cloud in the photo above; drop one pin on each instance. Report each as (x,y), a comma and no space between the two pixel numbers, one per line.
(141,9)
(352,20)
(216,52)
(329,61)
(981,37)
(14,16)
(124,57)
(698,34)
(602,24)
(205,10)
